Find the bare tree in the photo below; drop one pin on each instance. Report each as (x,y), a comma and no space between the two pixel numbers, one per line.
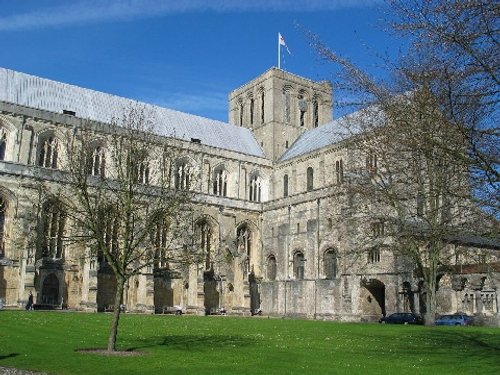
(115,191)
(424,168)
(457,44)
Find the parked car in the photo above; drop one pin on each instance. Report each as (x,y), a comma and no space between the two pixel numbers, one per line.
(402,318)
(455,320)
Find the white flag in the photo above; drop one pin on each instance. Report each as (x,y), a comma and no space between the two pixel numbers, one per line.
(282,42)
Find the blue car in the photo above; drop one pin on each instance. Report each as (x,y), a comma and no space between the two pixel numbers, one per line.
(455,320)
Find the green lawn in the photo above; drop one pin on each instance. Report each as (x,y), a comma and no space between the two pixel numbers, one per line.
(47,341)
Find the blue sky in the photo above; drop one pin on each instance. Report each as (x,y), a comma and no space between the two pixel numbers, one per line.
(185,54)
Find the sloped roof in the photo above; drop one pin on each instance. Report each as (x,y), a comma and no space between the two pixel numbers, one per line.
(36,92)
(322,136)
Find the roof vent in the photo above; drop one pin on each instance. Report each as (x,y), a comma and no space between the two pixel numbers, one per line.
(196,140)
(68,112)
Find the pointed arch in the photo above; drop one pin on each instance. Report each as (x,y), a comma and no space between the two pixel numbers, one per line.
(315,111)
(262,99)
(247,241)
(220,178)
(8,208)
(160,225)
(7,139)
(205,240)
(255,187)
(97,158)
(310,179)
(298,265)
(271,268)
(330,259)
(53,222)
(302,100)
(183,174)
(49,149)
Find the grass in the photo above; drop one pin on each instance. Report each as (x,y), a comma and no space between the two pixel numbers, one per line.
(48,341)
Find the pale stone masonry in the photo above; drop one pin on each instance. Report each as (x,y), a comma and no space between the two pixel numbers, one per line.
(272,176)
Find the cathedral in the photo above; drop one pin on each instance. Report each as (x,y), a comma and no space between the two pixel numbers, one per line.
(272,179)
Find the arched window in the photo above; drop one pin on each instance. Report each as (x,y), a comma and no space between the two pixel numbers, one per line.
(142,172)
(3,143)
(302,109)
(54,220)
(262,106)
(287,101)
(339,171)
(183,175)
(204,238)
(110,223)
(315,113)
(310,179)
(48,152)
(3,214)
(255,188)
(252,109)
(298,265)
(244,241)
(271,268)
(98,162)
(220,182)
(285,185)
(159,238)
(241,108)
(330,264)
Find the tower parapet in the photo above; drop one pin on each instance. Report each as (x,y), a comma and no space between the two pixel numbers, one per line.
(278,107)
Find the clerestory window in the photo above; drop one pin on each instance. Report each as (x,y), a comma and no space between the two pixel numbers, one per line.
(220,182)
(48,152)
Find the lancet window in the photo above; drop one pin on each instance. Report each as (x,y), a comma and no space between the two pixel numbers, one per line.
(255,191)
(54,220)
(48,152)
(244,241)
(220,182)
(205,239)
(271,268)
(98,162)
(330,264)
(183,173)
(298,265)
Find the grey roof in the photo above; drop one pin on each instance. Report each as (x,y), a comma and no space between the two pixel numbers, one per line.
(45,94)
(317,138)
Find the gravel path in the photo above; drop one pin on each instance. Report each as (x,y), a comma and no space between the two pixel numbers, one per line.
(16,371)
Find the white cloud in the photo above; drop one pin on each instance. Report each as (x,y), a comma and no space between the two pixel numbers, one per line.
(81,12)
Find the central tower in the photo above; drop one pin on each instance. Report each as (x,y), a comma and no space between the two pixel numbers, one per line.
(278,107)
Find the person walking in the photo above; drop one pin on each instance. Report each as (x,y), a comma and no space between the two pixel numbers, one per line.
(29,305)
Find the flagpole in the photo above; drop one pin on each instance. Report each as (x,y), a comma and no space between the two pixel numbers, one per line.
(279,52)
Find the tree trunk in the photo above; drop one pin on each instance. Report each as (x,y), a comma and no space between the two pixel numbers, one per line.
(430,301)
(120,283)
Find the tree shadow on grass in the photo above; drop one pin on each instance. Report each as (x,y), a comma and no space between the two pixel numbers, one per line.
(8,356)
(428,341)
(459,337)
(196,343)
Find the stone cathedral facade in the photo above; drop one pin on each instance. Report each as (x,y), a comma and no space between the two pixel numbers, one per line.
(270,181)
